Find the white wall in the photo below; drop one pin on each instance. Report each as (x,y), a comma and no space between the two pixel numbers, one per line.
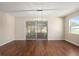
(20,31)
(7,26)
(73,38)
(0,26)
(55,28)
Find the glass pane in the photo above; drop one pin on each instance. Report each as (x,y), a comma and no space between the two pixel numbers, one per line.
(74,25)
(42,30)
(30,30)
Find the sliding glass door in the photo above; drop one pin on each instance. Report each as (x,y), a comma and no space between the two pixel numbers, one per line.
(36,29)
(41,30)
(30,30)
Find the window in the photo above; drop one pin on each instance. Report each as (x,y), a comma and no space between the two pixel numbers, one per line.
(74,25)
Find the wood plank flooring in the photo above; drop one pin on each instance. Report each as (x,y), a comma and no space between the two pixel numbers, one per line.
(39,48)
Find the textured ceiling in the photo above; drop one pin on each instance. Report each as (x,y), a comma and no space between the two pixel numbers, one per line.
(63,8)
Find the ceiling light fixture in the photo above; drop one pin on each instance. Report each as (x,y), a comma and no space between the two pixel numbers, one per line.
(39,10)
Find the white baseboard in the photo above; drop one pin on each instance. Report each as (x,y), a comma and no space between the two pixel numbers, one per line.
(6,42)
(72,42)
(55,39)
(39,39)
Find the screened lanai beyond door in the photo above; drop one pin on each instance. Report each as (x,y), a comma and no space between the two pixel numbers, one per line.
(36,30)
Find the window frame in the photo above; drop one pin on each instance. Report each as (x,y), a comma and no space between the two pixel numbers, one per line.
(69,25)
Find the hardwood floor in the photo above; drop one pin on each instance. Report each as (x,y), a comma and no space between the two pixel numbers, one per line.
(39,48)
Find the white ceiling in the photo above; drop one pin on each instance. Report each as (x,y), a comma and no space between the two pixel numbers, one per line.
(64,8)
